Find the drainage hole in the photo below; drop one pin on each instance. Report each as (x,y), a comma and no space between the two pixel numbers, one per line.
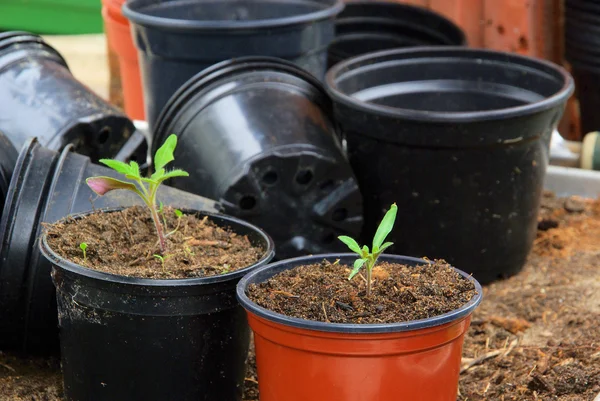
(270,178)
(103,135)
(328,238)
(247,202)
(304,177)
(339,214)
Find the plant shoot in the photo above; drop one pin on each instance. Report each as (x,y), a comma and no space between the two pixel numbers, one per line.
(146,188)
(83,246)
(367,257)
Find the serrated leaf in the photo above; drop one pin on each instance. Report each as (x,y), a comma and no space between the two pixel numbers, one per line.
(102,185)
(164,154)
(385,227)
(358,263)
(157,174)
(173,174)
(118,166)
(134,170)
(351,243)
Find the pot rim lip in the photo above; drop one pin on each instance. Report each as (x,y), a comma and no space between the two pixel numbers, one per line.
(194,86)
(72,267)
(278,318)
(445,117)
(138,16)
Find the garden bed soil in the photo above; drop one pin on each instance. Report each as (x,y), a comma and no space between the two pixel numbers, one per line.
(125,243)
(535,336)
(400,293)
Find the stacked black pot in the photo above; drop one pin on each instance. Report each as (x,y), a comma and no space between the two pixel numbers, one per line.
(582,50)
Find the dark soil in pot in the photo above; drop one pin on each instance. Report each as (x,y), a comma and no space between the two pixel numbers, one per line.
(196,248)
(322,292)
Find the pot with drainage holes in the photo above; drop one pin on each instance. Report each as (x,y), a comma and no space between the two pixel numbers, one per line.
(177,39)
(47,186)
(258,135)
(40,97)
(459,139)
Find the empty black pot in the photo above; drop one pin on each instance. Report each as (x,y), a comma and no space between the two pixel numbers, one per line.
(258,135)
(459,138)
(368,26)
(177,39)
(127,338)
(8,158)
(40,97)
(46,187)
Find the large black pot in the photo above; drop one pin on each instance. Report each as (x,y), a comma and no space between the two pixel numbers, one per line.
(459,138)
(127,338)
(47,186)
(177,39)
(40,97)
(8,158)
(258,135)
(368,26)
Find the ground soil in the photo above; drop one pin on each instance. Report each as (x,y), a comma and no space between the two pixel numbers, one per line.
(125,243)
(536,336)
(322,292)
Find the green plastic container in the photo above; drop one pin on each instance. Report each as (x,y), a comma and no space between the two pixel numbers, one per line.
(51,17)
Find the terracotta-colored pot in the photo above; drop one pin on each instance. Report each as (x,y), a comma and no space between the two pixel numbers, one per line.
(119,39)
(299,360)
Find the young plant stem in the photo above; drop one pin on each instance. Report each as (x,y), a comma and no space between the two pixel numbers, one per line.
(369,281)
(159,231)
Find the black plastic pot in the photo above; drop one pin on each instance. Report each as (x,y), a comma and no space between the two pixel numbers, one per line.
(459,138)
(257,134)
(368,26)
(587,82)
(125,338)
(177,39)
(40,97)
(46,187)
(8,158)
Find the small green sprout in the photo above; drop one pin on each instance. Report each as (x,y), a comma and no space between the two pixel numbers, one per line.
(146,188)
(369,258)
(179,215)
(83,246)
(161,259)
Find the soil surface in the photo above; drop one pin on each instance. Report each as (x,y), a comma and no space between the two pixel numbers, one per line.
(535,336)
(126,243)
(399,293)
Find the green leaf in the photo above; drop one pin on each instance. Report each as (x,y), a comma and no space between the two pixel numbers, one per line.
(358,263)
(102,185)
(157,174)
(385,246)
(164,154)
(134,170)
(83,246)
(173,174)
(385,227)
(178,213)
(365,251)
(118,166)
(351,243)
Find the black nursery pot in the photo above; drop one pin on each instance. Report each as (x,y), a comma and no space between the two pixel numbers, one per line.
(125,338)
(40,97)
(459,138)
(8,158)
(47,186)
(177,39)
(258,135)
(368,26)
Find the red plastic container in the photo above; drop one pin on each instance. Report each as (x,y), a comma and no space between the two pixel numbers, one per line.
(118,35)
(300,360)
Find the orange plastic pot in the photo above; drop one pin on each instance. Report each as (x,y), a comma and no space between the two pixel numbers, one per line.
(118,35)
(299,360)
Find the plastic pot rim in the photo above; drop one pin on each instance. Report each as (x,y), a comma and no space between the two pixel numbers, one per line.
(138,16)
(72,267)
(445,117)
(206,77)
(8,39)
(305,324)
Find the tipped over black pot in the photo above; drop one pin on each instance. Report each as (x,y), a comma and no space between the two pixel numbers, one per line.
(459,139)
(368,26)
(177,39)
(47,186)
(8,158)
(40,97)
(258,135)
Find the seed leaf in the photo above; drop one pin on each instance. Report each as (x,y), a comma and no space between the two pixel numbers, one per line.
(351,243)
(164,154)
(102,185)
(358,263)
(178,213)
(385,246)
(385,227)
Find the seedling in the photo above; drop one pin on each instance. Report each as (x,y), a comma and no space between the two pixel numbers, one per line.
(179,214)
(83,246)
(161,259)
(146,188)
(369,258)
